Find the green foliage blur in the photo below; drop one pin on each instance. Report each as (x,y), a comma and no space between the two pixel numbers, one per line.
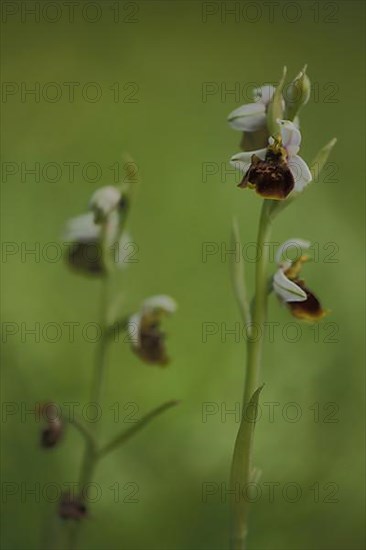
(176,65)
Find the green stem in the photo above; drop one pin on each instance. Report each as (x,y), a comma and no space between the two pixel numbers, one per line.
(242,457)
(89,459)
(84,430)
(254,350)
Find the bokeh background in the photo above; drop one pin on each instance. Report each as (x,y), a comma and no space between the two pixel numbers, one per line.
(163,54)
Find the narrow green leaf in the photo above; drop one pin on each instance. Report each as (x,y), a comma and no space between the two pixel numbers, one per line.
(241,469)
(316,167)
(127,434)
(321,158)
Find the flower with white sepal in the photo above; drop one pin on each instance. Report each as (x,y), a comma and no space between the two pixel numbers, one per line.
(145,335)
(104,201)
(84,236)
(290,289)
(278,170)
(252,116)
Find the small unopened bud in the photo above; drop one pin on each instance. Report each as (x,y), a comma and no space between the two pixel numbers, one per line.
(52,433)
(72,507)
(297,94)
(104,201)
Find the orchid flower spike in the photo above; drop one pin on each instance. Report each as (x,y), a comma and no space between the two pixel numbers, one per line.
(290,289)
(278,170)
(252,116)
(148,341)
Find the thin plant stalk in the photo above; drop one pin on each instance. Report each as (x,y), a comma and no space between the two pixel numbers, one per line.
(90,455)
(241,470)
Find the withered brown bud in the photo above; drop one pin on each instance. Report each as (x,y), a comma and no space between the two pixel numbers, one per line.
(52,433)
(72,507)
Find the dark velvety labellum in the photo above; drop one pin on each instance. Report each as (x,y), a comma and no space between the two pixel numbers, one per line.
(271,178)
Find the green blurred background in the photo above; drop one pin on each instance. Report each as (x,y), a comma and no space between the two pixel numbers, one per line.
(169,50)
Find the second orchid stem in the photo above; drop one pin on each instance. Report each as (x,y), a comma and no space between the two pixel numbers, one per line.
(241,470)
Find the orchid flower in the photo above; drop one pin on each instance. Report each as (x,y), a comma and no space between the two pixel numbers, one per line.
(276,171)
(290,289)
(148,341)
(85,233)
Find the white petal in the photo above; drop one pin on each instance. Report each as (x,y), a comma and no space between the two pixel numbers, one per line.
(299,244)
(264,94)
(160,302)
(300,171)
(105,199)
(242,161)
(248,118)
(287,290)
(133,329)
(291,137)
(82,228)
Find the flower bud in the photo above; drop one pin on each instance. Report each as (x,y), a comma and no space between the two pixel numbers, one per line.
(53,432)
(297,94)
(72,507)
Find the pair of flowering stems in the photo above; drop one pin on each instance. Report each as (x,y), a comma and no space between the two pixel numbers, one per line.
(276,172)
(99,246)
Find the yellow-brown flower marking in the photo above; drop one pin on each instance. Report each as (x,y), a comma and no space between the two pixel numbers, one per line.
(309,309)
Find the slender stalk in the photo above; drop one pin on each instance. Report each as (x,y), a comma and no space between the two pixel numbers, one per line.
(241,465)
(255,341)
(89,459)
(126,435)
(238,279)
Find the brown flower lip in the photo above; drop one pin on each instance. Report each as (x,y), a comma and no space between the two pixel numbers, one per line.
(86,257)
(308,310)
(271,178)
(151,346)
